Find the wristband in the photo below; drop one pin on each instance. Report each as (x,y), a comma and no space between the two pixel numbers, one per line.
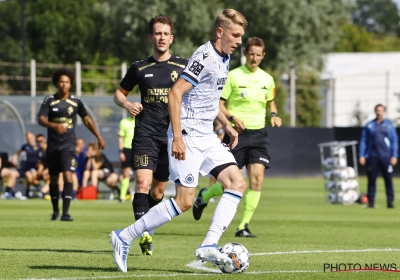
(273,114)
(121,151)
(231,118)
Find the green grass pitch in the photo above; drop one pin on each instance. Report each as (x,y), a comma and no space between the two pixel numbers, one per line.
(298,232)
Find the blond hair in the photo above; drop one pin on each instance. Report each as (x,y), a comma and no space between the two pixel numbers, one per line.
(229,17)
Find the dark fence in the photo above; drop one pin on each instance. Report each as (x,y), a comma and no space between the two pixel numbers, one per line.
(294,151)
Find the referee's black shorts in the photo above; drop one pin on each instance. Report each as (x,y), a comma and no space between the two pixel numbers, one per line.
(253,147)
(128,158)
(151,153)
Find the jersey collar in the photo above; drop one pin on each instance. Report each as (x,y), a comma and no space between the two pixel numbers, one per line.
(224,57)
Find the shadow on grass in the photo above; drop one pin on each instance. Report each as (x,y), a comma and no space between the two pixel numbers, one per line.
(105,269)
(58,250)
(178,234)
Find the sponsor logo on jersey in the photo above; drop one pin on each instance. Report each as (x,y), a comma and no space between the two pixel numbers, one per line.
(54,102)
(148,65)
(148,75)
(196,68)
(174,76)
(176,64)
(72,102)
(220,83)
(55,109)
(205,55)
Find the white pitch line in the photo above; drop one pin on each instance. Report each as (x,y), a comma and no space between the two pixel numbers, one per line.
(326,251)
(200,266)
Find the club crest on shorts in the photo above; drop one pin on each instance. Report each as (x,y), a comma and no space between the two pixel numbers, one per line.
(189,178)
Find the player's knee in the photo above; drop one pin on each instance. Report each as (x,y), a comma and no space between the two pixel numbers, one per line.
(240,186)
(157,195)
(142,185)
(14,174)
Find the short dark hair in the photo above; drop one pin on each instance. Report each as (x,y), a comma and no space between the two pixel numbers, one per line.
(63,72)
(161,19)
(39,135)
(254,41)
(379,105)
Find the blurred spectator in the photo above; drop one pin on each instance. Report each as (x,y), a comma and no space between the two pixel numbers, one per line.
(43,166)
(28,166)
(378,150)
(80,148)
(125,136)
(9,177)
(98,167)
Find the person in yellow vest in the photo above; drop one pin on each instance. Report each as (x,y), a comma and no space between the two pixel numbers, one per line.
(244,101)
(125,136)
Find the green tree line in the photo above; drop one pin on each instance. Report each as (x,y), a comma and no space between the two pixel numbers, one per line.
(297,34)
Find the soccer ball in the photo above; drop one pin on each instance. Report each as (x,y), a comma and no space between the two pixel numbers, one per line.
(342,186)
(330,185)
(351,172)
(352,184)
(332,197)
(239,255)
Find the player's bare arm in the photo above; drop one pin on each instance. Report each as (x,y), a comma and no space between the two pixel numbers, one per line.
(275,120)
(239,124)
(174,108)
(90,125)
(232,133)
(133,108)
(43,121)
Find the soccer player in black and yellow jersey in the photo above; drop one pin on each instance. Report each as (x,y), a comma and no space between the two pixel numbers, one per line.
(58,113)
(155,76)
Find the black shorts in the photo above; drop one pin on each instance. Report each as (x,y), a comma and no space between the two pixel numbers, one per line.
(106,173)
(253,147)
(151,153)
(61,161)
(128,158)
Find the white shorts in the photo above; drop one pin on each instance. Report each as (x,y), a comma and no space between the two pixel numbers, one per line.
(203,154)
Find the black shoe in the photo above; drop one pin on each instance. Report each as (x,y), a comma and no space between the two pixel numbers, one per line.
(55,216)
(390,205)
(199,205)
(66,217)
(245,232)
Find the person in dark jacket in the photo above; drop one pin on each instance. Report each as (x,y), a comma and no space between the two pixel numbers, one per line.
(378,150)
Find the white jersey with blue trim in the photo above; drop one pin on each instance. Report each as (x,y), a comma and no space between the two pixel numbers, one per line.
(207,71)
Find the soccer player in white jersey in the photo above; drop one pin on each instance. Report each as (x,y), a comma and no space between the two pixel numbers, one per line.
(194,148)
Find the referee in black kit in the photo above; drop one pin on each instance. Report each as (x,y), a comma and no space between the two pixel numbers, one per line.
(58,113)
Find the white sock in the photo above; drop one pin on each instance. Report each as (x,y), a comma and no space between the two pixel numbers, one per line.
(223,216)
(157,216)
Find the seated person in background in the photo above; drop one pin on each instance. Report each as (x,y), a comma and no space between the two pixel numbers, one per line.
(29,166)
(80,150)
(43,166)
(10,175)
(98,167)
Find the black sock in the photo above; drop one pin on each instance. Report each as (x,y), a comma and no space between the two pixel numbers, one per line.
(9,190)
(67,196)
(54,193)
(152,201)
(140,205)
